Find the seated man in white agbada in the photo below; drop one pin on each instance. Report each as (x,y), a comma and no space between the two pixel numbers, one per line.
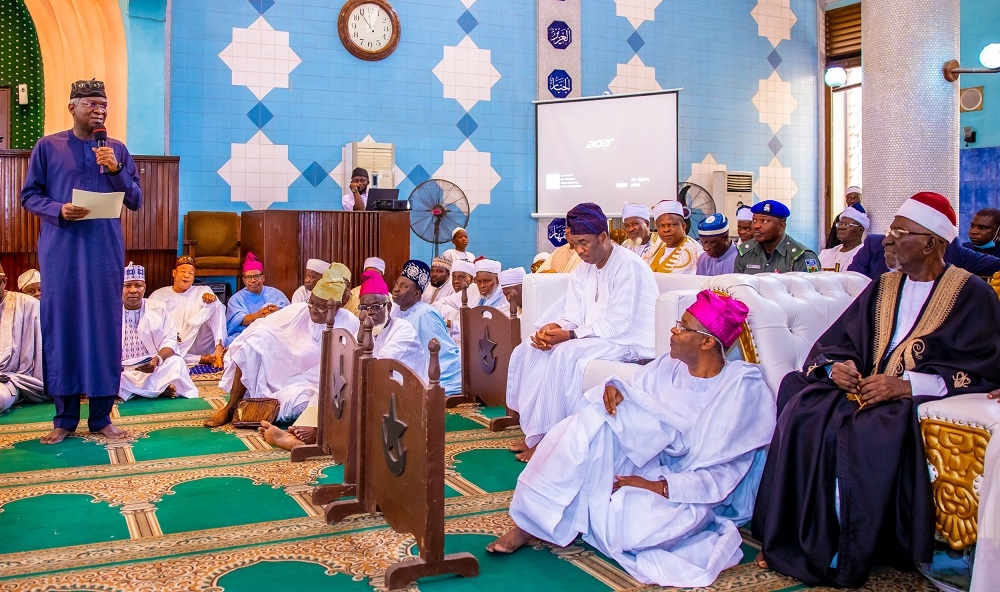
(463,279)
(278,356)
(657,472)
(395,339)
(197,314)
(485,291)
(315,268)
(607,314)
(151,366)
(20,348)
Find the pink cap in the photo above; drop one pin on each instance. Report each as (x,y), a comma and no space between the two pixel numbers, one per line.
(252,263)
(372,283)
(722,315)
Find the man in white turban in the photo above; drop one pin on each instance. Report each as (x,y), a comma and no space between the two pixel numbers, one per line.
(30,283)
(510,283)
(851,227)
(642,242)
(744,225)
(20,347)
(463,279)
(315,268)
(676,252)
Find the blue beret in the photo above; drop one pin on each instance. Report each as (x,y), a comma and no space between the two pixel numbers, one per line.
(418,272)
(769,207)
(714,225)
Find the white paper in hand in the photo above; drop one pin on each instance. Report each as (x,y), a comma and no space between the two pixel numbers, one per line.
(101,205)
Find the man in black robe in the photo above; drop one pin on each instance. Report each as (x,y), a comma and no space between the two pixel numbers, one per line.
(845,486)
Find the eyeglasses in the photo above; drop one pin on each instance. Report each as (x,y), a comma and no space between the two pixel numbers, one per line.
(899,233)
(371,308)
(322,308)
(94,105)
(847,224)
(682,328)
(3,278)
(253,277)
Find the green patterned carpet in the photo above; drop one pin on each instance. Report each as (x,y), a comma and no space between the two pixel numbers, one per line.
(181,507)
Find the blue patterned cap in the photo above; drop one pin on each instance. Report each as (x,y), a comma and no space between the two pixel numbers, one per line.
(135,273)
(417,272)
(769,207)
(587,218)
(714,225)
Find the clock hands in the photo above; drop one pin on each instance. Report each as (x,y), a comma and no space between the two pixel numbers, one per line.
(365,16)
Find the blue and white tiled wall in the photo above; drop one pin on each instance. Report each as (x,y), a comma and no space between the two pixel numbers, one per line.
(748,69)
(263,98)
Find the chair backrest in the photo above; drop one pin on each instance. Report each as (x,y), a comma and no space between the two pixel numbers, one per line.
(339,392)
(217,233)
(788,312)
(488,339)
(404,454)
(540,291)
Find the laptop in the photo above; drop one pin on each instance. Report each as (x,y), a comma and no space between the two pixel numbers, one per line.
(385,199)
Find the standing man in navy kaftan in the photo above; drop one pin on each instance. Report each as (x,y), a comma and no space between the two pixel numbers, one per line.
(82,263)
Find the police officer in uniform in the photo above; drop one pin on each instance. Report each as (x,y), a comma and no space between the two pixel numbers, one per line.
(771,250)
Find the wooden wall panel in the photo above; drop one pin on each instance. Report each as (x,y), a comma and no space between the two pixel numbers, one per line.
(285,239)
(150,234)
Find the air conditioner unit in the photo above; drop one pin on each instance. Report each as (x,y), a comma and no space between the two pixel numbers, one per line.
(732,189)
(377,158)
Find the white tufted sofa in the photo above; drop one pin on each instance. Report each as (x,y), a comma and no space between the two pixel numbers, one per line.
(788,312)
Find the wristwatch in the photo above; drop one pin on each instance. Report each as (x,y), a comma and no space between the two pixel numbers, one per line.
(121,167)
(665,491)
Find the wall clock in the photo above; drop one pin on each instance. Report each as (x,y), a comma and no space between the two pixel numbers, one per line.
(369,29)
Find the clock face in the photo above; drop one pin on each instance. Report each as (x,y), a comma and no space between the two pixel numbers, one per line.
(369,29)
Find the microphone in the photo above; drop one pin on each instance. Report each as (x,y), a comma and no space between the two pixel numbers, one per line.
(101,135)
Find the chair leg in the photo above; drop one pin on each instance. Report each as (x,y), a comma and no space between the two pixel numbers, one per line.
(337,511)
(499,424)
(402,574)
(305,451)
(456,400)
(324,494)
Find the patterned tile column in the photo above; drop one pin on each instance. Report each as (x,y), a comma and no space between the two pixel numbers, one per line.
(560,61)
(909,111)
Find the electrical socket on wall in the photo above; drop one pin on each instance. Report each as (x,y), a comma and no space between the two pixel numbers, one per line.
(22,94)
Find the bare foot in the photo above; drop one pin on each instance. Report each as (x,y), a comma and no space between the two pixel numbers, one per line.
(304,433)
(519,447)
(511,541)
(759,561)
(276,436)
(220,417)
(169,392)
(56,436)
(526,455)
(113,432)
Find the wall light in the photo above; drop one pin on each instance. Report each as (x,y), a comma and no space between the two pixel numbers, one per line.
(835,77)
(989,58)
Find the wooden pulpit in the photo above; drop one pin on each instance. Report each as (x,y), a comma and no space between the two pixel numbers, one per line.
(488,338)
(404,465)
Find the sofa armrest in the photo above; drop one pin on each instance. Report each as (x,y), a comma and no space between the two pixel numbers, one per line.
(973,410)
(599,371)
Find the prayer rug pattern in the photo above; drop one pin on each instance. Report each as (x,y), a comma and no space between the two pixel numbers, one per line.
(176,506)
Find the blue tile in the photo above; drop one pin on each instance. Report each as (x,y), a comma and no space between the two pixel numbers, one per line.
(468,125)
(315,174)
(774,145)
(260,115)
(635,41)
(262,6)
(774,59)
(467,22)
(418,175)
